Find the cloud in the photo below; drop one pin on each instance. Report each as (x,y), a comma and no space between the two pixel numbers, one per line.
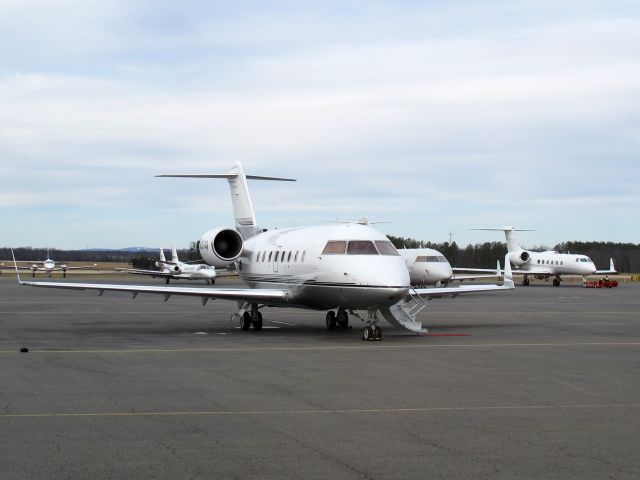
(446,108)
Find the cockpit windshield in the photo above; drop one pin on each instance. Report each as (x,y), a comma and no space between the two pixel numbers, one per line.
(359,247)
(386,248)
(335,247)
(431,259)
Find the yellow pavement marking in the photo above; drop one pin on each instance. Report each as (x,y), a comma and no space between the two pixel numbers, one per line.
(329,411)
(325,348)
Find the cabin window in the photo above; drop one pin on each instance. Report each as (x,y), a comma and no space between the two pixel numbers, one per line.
(334,247)
(361,247)
(386,248)
(270,255)
(289,256)
(282,256)
(561,262)
(303,255)
(295,258)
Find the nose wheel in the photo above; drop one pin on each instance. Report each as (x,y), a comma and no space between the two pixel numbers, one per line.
(372,332)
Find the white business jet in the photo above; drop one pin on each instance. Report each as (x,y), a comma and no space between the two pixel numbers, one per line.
(176,270)
(544,264)
(428,266)
(48,266)
(341,268)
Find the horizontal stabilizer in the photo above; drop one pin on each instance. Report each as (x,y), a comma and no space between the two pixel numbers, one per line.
(227,176)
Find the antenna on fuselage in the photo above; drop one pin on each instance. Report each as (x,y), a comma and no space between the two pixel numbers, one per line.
(241,200)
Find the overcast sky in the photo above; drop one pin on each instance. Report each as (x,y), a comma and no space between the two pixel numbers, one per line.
(437,116)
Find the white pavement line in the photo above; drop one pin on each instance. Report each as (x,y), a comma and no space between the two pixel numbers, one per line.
(480,408)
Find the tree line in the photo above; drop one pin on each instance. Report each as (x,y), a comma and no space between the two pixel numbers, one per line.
(480,255)
(626,256)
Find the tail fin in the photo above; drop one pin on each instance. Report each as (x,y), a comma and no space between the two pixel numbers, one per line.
(162,259)
(174,254)
(241,200)
(510,236)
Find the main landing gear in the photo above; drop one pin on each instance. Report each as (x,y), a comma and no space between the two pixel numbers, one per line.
(525,281)
(556,281)
(372,331)
(253,317)
(340,319)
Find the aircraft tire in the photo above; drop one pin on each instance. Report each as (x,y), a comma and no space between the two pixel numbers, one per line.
(256,320)
(367,334)
(245,321)
(342,319)
(377,333)
(331,320)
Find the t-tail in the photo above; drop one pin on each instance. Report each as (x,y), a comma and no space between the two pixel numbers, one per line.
(510,236)
(240,198)
(162,259)
(174,255)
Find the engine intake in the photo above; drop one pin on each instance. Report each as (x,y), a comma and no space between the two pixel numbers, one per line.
(221,246)
(519,258)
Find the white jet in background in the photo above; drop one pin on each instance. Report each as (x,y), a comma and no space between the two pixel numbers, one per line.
(428,266)
(543,264)
(340,268)
(176,270)
(48,266)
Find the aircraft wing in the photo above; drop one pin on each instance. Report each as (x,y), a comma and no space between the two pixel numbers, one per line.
(12,267)
(462,278)
(455,291)
(612,268)
(533,271)
(137,271)
(84,267)
(238,294)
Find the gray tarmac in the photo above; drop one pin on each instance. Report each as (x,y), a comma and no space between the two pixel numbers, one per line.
(540,382)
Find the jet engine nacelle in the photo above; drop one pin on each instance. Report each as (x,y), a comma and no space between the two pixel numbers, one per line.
(519,258)
(221,246)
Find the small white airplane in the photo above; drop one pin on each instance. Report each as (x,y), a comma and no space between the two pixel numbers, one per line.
(428,266)
(176,270)
(341,268)
(48,266)
(543,264)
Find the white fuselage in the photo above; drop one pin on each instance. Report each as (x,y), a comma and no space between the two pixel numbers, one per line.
(556,263)
(189,272)
(293,259)
(426,266)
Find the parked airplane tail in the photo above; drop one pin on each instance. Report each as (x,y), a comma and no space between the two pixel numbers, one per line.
(510,235)
(162,259)
(241,200)
(174,255)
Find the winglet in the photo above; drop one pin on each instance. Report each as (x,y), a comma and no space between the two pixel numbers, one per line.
(508,273)
(15,265)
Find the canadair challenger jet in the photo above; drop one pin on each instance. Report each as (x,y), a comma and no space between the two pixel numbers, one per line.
(176,270)
(344,268)
(543,264)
